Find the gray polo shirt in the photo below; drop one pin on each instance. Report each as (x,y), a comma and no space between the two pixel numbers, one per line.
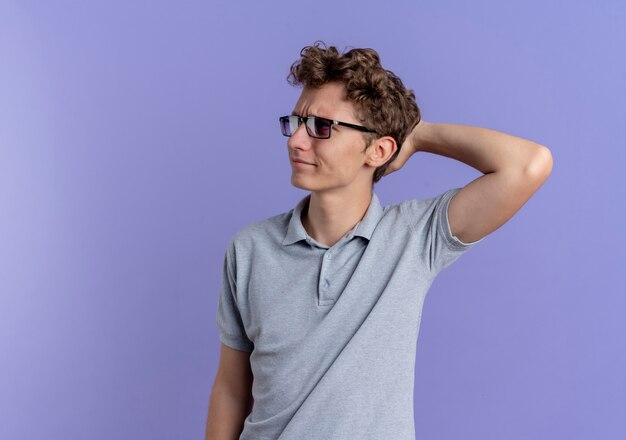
(333,330)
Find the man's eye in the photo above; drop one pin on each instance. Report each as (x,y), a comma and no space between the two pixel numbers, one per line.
(322,126)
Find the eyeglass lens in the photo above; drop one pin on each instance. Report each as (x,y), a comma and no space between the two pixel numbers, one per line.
(317,127)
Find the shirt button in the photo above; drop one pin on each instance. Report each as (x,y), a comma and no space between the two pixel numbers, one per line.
(328,255)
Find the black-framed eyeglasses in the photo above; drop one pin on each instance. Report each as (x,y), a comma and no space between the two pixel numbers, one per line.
(316,126)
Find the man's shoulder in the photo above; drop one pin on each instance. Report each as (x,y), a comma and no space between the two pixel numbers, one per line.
(424,205)
(267,228)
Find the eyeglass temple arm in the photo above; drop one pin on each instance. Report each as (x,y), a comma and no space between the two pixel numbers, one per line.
(358,127)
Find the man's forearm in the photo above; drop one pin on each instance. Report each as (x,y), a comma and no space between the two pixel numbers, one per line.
(227,413)
(481,148)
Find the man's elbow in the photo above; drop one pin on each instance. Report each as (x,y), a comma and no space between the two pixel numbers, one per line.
(540,166)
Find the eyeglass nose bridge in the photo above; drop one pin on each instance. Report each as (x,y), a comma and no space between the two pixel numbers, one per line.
(305,120)
(311,129)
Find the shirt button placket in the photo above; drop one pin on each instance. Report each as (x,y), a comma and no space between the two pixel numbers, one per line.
(325,282)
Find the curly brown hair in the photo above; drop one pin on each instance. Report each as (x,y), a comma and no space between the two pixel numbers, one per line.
(381,101)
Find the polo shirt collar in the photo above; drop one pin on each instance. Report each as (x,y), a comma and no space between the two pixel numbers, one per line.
(365,228)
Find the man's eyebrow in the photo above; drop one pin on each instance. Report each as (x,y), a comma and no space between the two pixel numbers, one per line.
(294,113)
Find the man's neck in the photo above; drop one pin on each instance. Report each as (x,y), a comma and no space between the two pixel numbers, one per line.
(327,218)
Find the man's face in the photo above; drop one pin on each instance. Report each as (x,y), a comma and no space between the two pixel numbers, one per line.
(339,161)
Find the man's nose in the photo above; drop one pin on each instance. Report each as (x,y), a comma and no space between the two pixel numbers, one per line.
(300,137)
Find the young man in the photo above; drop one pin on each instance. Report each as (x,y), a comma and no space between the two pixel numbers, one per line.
(320,306)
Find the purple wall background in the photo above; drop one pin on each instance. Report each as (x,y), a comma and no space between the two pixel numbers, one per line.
(137,137)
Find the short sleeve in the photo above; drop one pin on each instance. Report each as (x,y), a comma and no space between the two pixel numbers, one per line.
(429,220)
(229,322)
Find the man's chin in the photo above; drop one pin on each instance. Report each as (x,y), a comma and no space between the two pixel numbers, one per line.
(301,186)
(298,183)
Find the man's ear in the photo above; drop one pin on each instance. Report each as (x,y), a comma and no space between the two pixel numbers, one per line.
(381,151)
